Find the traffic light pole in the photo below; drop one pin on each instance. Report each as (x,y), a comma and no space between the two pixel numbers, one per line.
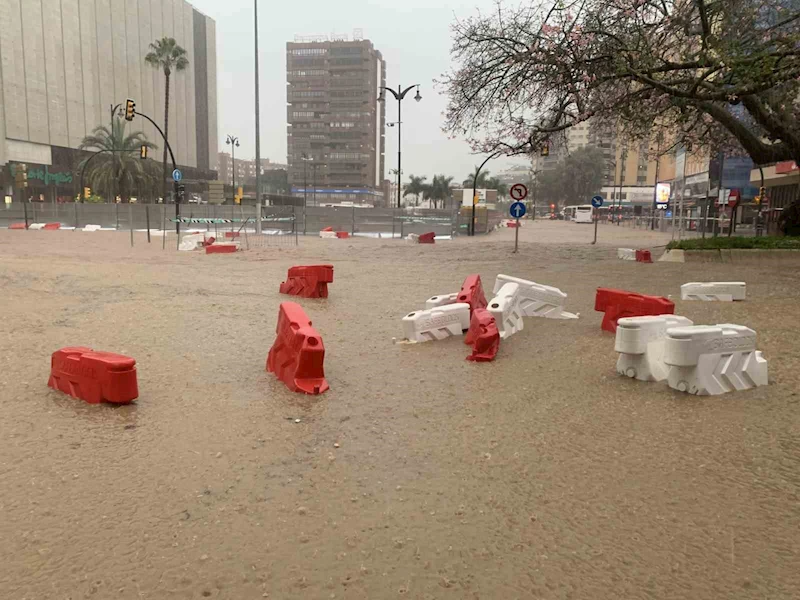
(174,168)
(471,229)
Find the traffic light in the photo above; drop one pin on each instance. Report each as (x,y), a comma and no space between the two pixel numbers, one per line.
(546,149)
(181,190)
(143,152)
(552,207)
(130,109)
(21,176)
(87,192)
(762,195)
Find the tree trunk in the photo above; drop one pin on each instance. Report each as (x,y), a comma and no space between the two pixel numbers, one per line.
(166,139)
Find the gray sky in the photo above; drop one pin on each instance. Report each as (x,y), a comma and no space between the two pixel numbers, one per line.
(412,35)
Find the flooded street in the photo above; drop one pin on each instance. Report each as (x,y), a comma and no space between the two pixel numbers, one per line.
(540,475)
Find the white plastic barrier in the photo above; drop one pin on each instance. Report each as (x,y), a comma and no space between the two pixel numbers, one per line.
(725,291)
(640,343)
(626,253)
(441,300)
(36,226)
(711,360)
(506,309)
(91,228)
(412,238)
(192,241)
(436,323)
(537,300)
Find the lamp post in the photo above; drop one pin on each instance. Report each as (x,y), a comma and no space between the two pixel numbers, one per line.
(399,95)
(397,173)
(233,142)
(306,159)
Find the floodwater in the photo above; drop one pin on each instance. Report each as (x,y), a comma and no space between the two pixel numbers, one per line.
(419,475)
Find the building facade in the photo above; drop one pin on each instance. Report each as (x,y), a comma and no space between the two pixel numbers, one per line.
(245,169)
(336,122)
(66,64)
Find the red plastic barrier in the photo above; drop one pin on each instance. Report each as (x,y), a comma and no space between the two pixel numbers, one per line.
(51,226)
(427,238)
(209,241)
(342,235)
(308,282)
(483,336)
(327,229)
(472,293)
(298,355)
(94,376)
(221,248)
(231,234)
(511,224)
(643,256)
(17,226)
(617,304)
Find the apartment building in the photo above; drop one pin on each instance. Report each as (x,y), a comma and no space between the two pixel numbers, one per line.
(336,123)
(245,169)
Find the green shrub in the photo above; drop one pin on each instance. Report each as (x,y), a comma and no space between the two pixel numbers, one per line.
(737,242)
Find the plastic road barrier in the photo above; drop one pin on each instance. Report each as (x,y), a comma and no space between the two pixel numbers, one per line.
(711,360)
(640,343)
(537,300)
(617,304)
(308,281)
(644,256)
(232,235)
(436,323)
(223,248)
(726,291)
(483,336)
(17,226)
(328,234)
(506,309)
(35,226)
(327,229)
(427,238)
(298,355)
(92,228)
(626,253)
(441,300)
(94,376)
(51,226)
(342,235)
(472,293)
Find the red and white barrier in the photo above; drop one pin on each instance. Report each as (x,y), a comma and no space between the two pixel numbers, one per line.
(723,291)
(537,300)
(36,226)
(506,309)
(328,235)
(712,360)
(640,343)
(626,253)
(441,300)
(436,323)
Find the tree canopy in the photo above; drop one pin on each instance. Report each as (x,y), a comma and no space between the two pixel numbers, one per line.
(486,181)
(705,71)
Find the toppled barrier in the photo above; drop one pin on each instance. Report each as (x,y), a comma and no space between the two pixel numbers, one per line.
(640,343)
(724,291)
(328,234)
(617,304)
(626,253)
(308,281)
(472,293)
(483,336)
(298,355)
(644,256)
(94,376)
(506,309)
(712,360)
(427,238)
(436,323)
(51,226)
(17,226)
(441,300)
(222,248)
(537,300)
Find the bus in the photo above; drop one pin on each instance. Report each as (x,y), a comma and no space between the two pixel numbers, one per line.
(580,214)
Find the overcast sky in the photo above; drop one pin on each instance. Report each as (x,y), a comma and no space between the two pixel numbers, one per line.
(412,35)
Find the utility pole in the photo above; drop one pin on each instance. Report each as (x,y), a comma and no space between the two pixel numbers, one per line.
(258,127)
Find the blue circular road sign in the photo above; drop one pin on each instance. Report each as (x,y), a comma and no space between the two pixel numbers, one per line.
(517,210)
(177,175)
(597,201)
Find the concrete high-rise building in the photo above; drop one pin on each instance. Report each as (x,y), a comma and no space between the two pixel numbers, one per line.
(245,169)
(336,123)
(66,63)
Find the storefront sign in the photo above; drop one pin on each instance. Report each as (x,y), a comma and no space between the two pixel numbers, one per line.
(43,174)
(787,166)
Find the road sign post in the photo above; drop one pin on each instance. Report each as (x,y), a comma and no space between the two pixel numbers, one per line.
(597,202)
(517,210)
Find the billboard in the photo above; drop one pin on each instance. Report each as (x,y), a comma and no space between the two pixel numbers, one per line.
(662,195)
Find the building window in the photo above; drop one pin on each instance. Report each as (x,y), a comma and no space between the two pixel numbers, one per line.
(308,51)
(309,73)
(303,113)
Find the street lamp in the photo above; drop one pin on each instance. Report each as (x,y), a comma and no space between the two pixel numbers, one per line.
(399,95)
(396,172)
(233,142)
(306,159)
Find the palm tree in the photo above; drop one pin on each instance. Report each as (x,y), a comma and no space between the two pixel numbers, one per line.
(167,55)
(118,167)
(416,186)
(483,180)
(440,189)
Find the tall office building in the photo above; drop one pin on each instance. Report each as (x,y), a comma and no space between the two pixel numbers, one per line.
(336,123)
(66,63)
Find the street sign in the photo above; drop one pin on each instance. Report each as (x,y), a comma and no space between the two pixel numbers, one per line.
(518,192)
(517,210)
(177,175)
(597,201)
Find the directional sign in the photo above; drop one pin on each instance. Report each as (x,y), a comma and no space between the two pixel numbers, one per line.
(597,201)
(517,210)
(177,175)
(518,192)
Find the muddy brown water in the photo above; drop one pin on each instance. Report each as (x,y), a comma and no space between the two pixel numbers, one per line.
(540,475)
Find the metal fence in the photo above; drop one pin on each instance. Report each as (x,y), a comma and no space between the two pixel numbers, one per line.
(370,222)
